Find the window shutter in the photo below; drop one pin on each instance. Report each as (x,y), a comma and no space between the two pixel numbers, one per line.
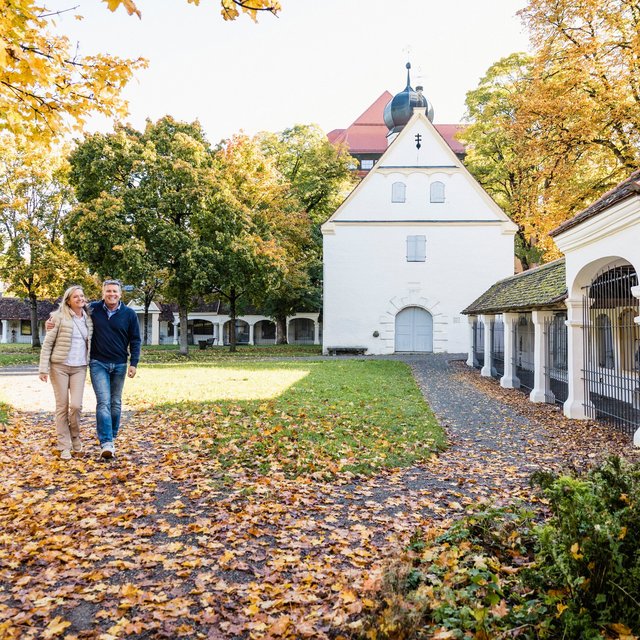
(398,192)
(416,248)
(437,192)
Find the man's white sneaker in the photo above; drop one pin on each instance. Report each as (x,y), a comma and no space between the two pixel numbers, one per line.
(107,451)
(65,454)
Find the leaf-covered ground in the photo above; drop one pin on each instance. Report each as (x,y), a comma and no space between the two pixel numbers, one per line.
(166,542)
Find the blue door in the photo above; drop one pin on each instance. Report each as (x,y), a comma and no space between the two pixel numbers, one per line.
(414,330)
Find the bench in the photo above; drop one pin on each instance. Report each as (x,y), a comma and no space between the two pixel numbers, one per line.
(358,351)
(203,344)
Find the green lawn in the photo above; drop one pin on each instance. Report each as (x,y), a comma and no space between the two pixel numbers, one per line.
(299,417)
(17,354)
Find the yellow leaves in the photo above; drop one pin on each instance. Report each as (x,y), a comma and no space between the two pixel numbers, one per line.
(45,87)
(623,632)
(229,9)
(128,5)
(575,551)
(623,533)
(55,627)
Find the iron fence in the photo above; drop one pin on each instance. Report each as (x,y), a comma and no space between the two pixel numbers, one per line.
(612,348)
(523,363)
(478,344)
(556,372)
(497,348)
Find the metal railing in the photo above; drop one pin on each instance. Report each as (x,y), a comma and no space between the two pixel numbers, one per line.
(556,372)
(612,348)
(497,348)
(478,344)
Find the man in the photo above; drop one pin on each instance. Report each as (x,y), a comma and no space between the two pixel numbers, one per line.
(116,339)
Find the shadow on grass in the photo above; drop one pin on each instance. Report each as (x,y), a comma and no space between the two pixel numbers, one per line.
(324,417)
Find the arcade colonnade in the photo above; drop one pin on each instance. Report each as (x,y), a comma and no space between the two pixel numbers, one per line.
(569,331)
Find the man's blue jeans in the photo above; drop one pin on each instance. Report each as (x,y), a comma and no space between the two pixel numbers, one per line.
(107,379)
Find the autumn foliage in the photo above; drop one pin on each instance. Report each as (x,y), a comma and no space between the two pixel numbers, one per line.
(552,131)
(46,87)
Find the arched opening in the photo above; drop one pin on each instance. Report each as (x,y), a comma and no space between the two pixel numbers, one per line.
(414,330)
(264,332)
(612,348)
(241,329)
(301,331)
(200,330)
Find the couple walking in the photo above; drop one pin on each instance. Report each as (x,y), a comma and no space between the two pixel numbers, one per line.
(103,335)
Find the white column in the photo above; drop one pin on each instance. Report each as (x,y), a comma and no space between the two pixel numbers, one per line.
(175,331)
(251,334)
(316,331)
(509,380)
(287,330)
(488,362)
(636,436)
(470,358)
(574,404)
(5,332)
(539,355)
(155,328)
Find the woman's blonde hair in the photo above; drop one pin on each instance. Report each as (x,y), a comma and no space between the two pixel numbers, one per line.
(64,310)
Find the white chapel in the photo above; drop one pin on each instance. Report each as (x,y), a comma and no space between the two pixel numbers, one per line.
(414,242)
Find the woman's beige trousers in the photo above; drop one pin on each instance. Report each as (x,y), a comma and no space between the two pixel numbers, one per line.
(68,387)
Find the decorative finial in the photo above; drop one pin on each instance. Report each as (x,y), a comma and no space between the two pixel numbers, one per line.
(408,65)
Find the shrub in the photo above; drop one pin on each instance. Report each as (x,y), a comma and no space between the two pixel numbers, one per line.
(500,574)
(589,551)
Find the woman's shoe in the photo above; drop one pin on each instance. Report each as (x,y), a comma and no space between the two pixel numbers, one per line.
(65,454)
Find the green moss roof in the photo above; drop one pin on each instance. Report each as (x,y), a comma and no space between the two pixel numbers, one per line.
(537,288)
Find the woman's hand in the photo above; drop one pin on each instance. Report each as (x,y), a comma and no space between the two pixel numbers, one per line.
(44,377)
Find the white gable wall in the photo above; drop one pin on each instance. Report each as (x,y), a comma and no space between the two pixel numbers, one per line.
(367,278)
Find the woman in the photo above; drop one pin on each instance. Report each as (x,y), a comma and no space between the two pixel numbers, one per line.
(64,356)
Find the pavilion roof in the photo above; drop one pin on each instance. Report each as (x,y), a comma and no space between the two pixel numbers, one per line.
(542,287)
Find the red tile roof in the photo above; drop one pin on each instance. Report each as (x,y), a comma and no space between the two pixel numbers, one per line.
(368,133)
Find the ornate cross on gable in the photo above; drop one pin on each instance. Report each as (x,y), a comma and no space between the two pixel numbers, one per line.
(418,139)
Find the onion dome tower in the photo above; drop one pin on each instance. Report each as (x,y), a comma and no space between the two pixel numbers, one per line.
(400,108)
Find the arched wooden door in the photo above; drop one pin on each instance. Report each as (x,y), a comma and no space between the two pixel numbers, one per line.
(414,330)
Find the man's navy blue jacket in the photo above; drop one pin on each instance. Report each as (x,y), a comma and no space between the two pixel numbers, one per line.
(113,338)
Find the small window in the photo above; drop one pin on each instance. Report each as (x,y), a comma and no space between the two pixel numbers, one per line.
(416,248)
(437,192)
(25,327)
(398,192)
(366,164)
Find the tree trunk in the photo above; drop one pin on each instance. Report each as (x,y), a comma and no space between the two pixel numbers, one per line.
(184,330)
(145,340)
(281,330)
(35,329)
(232,320)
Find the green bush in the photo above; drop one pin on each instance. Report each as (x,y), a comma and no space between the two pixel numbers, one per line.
(589,551)
(499,573)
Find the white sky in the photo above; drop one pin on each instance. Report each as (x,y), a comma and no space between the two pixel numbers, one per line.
(320,61)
